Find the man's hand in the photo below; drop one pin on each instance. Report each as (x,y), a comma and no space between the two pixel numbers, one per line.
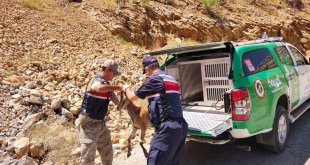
(125,87)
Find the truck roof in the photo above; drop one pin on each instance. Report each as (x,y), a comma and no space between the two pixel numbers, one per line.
(212,46)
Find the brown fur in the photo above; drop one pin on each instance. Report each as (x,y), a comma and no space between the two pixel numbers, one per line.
(140,120)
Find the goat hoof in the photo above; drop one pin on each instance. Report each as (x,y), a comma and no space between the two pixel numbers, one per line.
(146,155)
(128,154)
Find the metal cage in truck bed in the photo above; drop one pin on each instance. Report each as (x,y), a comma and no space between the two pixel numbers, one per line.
(202,72)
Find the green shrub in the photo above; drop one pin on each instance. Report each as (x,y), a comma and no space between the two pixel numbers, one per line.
(143,2)
(210,3)
(109,2)
(120,39)
(171,2)
(32,4)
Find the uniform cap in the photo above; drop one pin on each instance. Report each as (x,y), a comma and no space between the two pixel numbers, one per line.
(148,60)
(112,65)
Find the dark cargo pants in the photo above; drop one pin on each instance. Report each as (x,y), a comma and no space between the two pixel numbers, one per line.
(167,143)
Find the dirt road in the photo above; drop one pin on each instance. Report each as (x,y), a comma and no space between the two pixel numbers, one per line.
(296,153)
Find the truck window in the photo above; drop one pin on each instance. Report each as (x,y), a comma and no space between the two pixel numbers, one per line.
(300,60)
(284,55)
(257,61)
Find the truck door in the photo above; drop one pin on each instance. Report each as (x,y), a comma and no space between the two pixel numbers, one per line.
(302,69)
(291,74)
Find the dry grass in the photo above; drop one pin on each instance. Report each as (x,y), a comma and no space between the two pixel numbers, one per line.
(51,21)
(113,3)
(189,41)
(109,2)
(210,3)
(124,42)
(32,4)
(143,2)
(59,139)
(9,64)
(57,16)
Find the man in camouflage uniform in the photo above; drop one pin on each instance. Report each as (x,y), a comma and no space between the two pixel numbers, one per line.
(94,135)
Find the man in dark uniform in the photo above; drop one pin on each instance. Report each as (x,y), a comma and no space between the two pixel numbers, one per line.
(165,113)
(94,135)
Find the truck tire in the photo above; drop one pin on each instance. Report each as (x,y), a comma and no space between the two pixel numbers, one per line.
(280,131)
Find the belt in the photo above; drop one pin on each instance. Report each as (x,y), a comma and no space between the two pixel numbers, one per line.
(179,119)
(91,119)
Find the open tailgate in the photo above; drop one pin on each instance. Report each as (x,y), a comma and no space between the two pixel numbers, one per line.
(206,123)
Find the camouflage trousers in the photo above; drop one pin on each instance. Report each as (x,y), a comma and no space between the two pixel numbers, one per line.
(94,135)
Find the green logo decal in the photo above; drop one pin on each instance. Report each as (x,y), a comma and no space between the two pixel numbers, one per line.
(274,83)
(259,88)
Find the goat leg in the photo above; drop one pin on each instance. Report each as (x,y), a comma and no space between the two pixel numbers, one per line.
(133,132)
(146,154)
(143,141)
(129,150)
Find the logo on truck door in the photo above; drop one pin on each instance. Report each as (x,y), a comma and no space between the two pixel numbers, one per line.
(259,88)
(275,84)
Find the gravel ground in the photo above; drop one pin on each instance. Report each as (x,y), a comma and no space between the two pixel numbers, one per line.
(296,153)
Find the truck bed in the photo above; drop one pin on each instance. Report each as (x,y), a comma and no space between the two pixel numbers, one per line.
(203,121)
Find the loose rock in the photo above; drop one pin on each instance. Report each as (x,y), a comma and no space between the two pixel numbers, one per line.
(56,104)
(22,147)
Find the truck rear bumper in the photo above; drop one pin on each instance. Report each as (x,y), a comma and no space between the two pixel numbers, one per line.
(208,140)
(244,133)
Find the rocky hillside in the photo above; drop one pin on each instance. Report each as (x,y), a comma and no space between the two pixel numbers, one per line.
(49,49)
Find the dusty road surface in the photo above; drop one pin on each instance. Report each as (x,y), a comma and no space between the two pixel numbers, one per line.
(296,153)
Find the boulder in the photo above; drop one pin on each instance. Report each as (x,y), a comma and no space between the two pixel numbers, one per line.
(30,120)
(75,110)
(76,152)
(56,104)
(37,100)
(22,147)
(1,140)
(26,160)
(65,103)
(8,160)
(37,64)
(13,80)
(34,92)
(17,96)
(31,85)
(67,114)
(10,141)
(36,148)
(10,150)
(25,101)
(17,107)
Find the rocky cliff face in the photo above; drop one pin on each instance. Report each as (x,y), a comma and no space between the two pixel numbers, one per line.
(47,55)
(152,25)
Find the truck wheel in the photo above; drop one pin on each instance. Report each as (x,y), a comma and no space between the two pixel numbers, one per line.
(279,133)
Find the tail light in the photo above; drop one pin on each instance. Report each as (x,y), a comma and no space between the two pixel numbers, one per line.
(240,104)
